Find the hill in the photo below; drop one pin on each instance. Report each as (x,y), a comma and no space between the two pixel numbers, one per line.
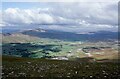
(17,38)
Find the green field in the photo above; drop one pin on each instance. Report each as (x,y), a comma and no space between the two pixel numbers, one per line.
(38,49)
(57,48)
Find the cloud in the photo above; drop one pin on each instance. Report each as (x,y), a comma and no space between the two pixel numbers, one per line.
(94,13)
(17,16)
(69,15)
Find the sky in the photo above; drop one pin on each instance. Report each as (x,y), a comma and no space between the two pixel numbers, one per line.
(65,16)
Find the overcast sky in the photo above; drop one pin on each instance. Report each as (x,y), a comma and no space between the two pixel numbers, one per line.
(67,16)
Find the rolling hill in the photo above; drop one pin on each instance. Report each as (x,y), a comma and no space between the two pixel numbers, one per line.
(17,38)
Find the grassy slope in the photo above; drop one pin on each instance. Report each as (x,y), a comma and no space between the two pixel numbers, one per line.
(18,38)
(28,67)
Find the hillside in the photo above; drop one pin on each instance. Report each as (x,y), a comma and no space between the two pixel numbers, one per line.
(50,69)
(17,38)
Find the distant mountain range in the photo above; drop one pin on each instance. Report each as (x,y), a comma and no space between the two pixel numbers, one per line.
(69,36)
(36,34)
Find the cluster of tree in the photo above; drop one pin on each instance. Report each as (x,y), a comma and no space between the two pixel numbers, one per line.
(25,49)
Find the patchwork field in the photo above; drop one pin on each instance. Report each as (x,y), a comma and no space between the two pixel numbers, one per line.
(62,49)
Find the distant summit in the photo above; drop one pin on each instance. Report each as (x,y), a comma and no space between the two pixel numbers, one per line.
(69,36)
(34,30)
